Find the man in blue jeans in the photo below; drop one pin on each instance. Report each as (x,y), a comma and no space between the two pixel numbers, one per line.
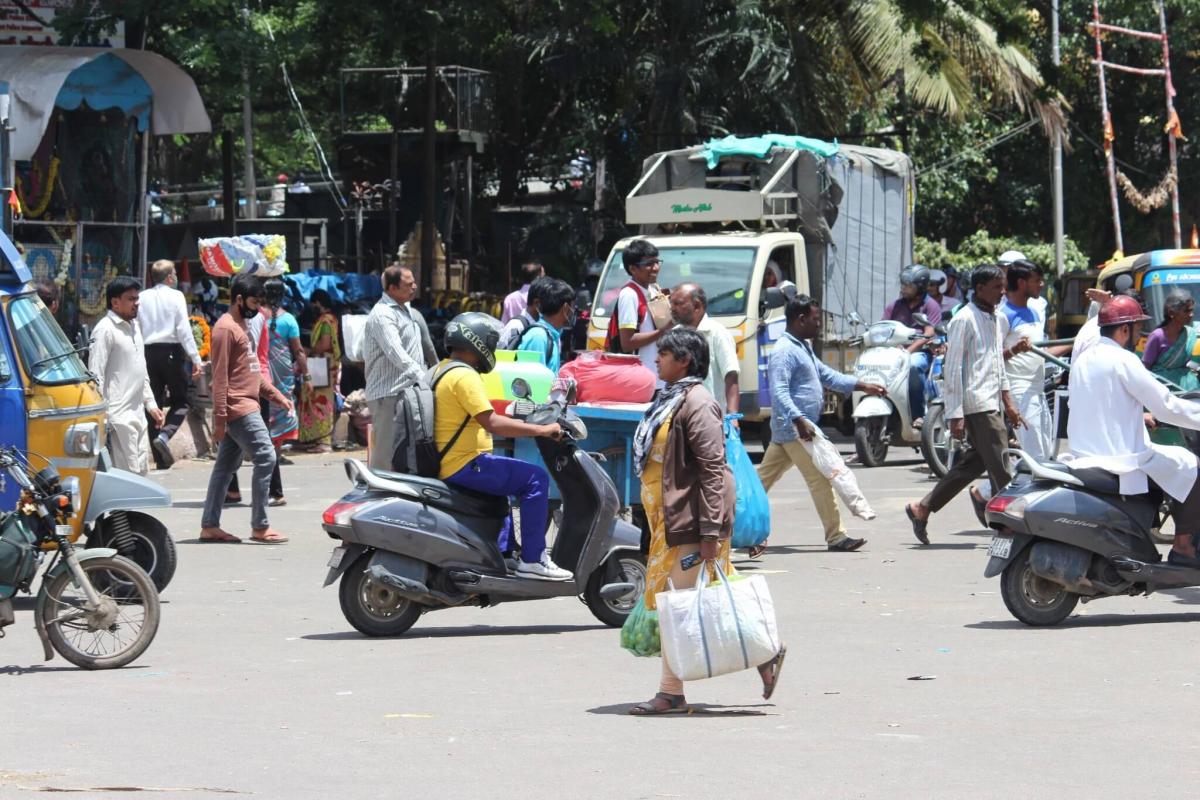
(464,422)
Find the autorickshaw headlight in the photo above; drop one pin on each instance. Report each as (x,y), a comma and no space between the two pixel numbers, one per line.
(82,440)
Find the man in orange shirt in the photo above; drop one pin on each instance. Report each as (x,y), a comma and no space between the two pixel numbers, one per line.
(237,384)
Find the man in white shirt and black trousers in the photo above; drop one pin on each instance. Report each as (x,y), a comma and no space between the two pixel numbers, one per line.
(976,387)
(171,354)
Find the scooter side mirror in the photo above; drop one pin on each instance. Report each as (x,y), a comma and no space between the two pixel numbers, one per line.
(855,319)
(520,388)
(921,318)
(572,393)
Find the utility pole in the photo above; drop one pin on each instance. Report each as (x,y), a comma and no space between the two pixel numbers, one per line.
(248,133)
(1056,165)
(428,217)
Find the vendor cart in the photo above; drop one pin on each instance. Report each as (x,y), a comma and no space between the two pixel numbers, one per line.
(610,438)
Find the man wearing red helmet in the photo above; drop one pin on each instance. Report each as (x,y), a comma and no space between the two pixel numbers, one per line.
(1109,384)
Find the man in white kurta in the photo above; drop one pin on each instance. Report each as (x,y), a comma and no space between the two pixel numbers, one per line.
(1109,390)
(118,361)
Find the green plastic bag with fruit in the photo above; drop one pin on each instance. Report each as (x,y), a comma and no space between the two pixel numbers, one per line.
(639,634)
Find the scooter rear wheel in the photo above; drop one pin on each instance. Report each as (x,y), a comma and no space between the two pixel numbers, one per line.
(1033,599)
(870,441)
(615,611)
(372,608)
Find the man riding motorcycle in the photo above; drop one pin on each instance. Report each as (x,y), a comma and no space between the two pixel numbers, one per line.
(464,422)
(914,299)
(1109,389)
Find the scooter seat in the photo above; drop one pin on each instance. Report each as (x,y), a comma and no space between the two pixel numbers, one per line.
(1094,479)
(451,498)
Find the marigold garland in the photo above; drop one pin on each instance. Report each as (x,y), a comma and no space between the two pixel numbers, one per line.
(203,335)
(32,210)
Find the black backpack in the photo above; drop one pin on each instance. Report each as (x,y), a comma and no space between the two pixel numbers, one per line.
(429,457)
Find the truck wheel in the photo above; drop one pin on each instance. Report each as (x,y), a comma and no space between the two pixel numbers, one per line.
(1033,599)
(870,441)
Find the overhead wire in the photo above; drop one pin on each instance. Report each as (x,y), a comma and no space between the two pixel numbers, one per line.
(326,170)
(976,148)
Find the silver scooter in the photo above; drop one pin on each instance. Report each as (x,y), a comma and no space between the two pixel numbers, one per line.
(408,545)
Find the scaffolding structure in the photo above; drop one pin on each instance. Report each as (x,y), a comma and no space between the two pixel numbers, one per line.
(1172,128)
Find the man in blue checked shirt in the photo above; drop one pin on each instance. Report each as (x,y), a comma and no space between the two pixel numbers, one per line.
(798,380)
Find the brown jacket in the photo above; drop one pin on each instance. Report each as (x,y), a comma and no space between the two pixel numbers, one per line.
(698,491)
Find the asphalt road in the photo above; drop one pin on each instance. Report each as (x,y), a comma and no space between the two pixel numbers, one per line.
(256,685)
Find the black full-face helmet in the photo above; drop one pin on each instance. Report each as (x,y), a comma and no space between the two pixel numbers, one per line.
(915,275)
(475,331)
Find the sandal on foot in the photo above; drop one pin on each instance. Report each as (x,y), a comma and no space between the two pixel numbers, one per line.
(219,537)
(920,526)
(269,537)
(757,550)
(277,501)
(233,499)
(661,703)
(773,668)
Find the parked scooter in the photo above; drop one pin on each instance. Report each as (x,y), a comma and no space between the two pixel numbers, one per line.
(409,544)
(96,608)
(880,421)
(1065,535)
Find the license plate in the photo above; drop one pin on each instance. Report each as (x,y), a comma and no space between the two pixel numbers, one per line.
(66,531)
(335,558)
(1001,547)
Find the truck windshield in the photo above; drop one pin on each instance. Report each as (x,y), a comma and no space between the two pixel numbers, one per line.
(48,356)
(723,273)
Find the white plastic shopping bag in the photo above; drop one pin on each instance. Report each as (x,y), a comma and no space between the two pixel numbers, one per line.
(829,463)
(353,331)
(713,630)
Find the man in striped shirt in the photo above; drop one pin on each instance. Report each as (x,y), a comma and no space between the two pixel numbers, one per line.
(976,389)
(393,358)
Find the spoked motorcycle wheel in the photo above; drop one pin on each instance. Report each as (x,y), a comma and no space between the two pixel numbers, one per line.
(372,608)
(871,440)
(613,612)
(115,633)
(1033,599)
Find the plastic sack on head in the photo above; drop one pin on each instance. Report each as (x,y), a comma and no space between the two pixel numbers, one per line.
(639,634)
(255,254)
(752,516)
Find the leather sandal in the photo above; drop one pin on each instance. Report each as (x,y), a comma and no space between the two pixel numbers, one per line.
(661,703)
(772,668)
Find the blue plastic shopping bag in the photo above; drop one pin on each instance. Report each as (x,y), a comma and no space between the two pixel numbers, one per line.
(752,519)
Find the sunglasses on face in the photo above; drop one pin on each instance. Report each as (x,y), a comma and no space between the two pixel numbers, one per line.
(650,262)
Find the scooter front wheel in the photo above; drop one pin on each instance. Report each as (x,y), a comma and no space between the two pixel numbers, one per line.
(631,568)
(371,607)
(871,441)
(1033,599)
(112,634)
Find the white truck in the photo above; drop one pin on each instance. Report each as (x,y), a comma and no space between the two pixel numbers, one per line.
(839,226)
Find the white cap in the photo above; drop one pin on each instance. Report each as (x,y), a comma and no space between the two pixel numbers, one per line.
(1009,256)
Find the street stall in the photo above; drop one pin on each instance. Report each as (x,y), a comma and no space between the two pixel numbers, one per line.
(80,122)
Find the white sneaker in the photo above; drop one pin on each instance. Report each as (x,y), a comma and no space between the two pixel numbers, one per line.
(545,570)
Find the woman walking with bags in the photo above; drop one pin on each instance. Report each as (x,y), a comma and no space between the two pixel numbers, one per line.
(687,492)
(318,404)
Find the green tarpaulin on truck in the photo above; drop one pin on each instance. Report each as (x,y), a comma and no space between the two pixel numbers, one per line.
(758,146)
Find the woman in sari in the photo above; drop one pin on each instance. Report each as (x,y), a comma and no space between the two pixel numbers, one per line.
(287,364)
(1168,350)
(687,493)
(318,404)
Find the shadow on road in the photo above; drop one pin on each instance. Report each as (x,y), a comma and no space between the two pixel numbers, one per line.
(1094,621)
(15,669)
(695,710)
(198,504)
(786,549)
(915,545)
(470,630)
